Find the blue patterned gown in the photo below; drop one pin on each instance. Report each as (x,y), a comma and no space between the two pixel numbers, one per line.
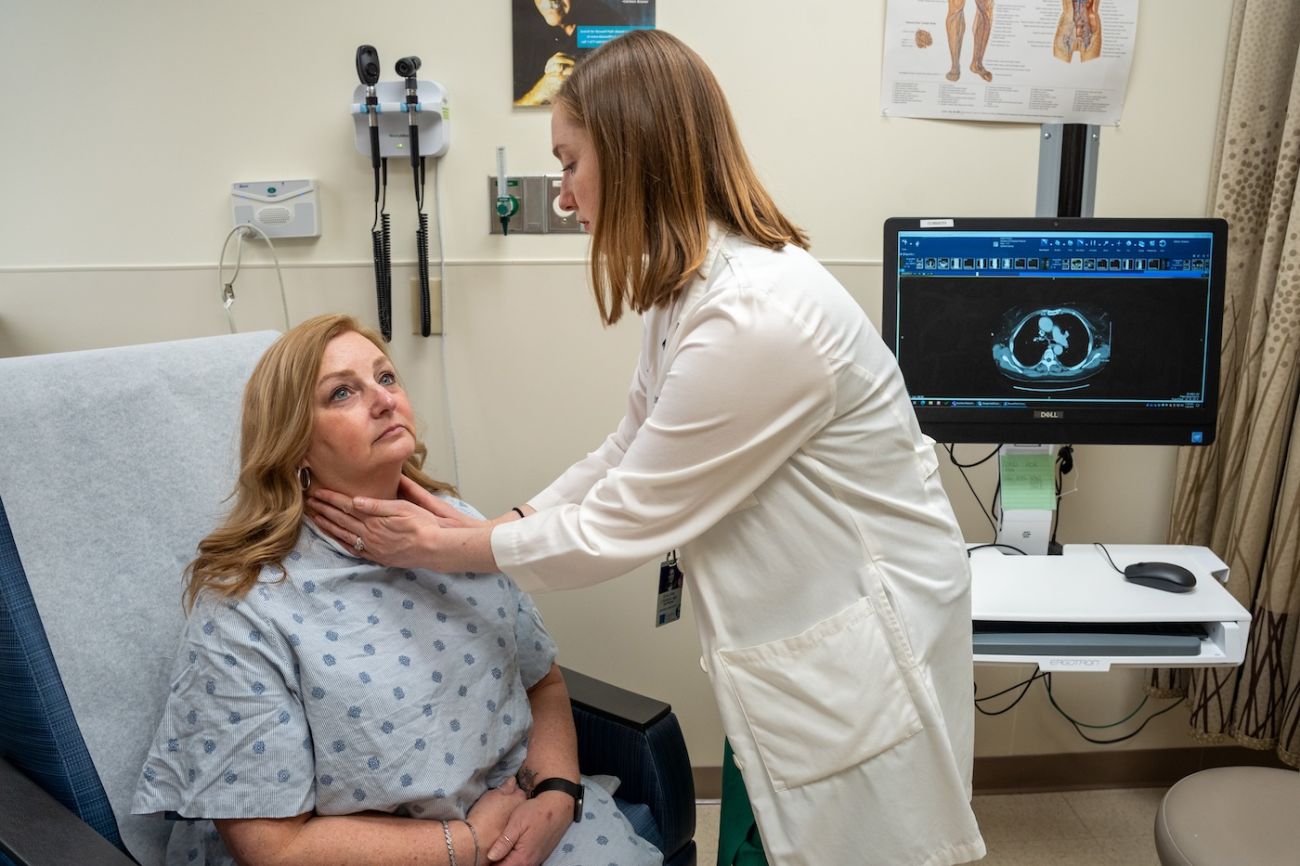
(338,686)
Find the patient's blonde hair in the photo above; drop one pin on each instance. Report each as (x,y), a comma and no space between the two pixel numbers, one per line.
(670,162)
(275,433)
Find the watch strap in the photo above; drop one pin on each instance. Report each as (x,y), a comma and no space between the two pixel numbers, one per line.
(573,789)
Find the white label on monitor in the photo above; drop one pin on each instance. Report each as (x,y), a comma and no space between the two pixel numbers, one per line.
(936,224)
(1075,663)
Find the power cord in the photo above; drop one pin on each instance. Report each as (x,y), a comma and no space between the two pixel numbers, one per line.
(1023,685)
(1064,465)
(442,304)
(976,547)
(1079,727)
(228,288)
(962,467)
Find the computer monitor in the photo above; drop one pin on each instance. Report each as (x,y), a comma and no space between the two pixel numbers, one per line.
(1058,330)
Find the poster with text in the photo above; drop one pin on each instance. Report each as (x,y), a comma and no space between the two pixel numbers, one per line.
(552,36)
(1029,61)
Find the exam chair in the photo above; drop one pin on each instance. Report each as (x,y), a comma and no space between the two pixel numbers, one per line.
(113,463)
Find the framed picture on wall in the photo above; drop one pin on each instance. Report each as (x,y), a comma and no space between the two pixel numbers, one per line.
(552,36)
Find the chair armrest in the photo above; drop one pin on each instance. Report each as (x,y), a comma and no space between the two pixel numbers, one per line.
(36,830)
(637,739)
(613,703)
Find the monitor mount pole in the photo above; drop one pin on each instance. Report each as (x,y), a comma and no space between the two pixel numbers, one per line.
(1067,182)
(1067,169)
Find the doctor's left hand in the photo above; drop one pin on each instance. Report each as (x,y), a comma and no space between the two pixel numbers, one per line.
(394,532)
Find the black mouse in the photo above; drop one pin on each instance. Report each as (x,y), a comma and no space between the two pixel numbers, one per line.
(1160,575)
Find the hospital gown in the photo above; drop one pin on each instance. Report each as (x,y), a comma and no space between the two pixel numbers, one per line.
(338,686)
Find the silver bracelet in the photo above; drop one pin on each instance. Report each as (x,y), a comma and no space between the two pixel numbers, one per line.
(473,835)
(451,851)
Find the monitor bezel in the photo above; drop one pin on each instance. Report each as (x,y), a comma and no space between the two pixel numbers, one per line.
(1084,426)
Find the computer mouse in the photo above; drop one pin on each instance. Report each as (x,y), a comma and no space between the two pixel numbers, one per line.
(1160,575)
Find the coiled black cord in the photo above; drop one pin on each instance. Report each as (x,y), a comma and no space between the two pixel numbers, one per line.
(422,250)
(384,276)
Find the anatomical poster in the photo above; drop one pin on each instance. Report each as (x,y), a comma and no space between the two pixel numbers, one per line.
(1028,61)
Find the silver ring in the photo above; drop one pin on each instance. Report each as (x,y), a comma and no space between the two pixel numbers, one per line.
(359,544)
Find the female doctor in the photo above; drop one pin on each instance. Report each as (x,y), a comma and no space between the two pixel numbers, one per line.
(770,440)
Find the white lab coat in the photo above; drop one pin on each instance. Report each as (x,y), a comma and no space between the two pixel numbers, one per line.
(769,438)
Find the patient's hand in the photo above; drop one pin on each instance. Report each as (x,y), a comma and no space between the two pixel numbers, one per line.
(492,811)
(533,831)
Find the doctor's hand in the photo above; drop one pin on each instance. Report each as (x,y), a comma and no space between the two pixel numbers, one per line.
(391,532)
(417,531)
(533,831)
(449,516)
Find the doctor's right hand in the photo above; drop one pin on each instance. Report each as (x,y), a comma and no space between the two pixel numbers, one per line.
(402,533)
(448,515)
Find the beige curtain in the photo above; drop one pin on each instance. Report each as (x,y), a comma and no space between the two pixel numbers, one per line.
(1241,496)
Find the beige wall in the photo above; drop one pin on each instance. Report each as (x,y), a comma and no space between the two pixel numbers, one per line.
(126,123)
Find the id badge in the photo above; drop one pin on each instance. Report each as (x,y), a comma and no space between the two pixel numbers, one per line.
(669,606)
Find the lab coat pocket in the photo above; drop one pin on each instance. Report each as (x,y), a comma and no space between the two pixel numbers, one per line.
(824,700)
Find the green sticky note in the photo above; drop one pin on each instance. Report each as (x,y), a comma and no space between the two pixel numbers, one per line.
(1028,481)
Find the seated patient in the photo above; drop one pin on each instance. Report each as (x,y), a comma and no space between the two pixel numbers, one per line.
(325,709)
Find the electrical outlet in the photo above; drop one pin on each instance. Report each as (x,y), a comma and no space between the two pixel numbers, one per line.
(435,306)
(558,220)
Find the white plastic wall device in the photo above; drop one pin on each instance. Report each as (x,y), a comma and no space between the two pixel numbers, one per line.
(280,208)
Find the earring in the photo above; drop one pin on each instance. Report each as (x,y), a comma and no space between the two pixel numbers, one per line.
(304,478)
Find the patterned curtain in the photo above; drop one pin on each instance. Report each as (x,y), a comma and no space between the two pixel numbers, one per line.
(1241,496)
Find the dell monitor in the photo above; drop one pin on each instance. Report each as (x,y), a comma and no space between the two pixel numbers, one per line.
(1058,330)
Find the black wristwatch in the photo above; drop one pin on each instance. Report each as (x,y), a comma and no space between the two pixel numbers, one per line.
(555,783)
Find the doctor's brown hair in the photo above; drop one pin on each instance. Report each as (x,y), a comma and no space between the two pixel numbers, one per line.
(275,433)
(670,162)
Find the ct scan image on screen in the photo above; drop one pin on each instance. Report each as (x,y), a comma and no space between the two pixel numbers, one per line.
(1028,329)
(1033,339)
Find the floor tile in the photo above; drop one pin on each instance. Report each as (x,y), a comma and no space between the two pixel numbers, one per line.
(1046,852)
(1022,817)
(1135,851)
(706,832)
(1117,813)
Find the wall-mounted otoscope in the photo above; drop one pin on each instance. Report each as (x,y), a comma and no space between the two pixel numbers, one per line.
(406,68)
(368,72)
(380,236)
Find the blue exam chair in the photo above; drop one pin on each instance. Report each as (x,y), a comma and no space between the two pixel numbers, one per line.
(113,463)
